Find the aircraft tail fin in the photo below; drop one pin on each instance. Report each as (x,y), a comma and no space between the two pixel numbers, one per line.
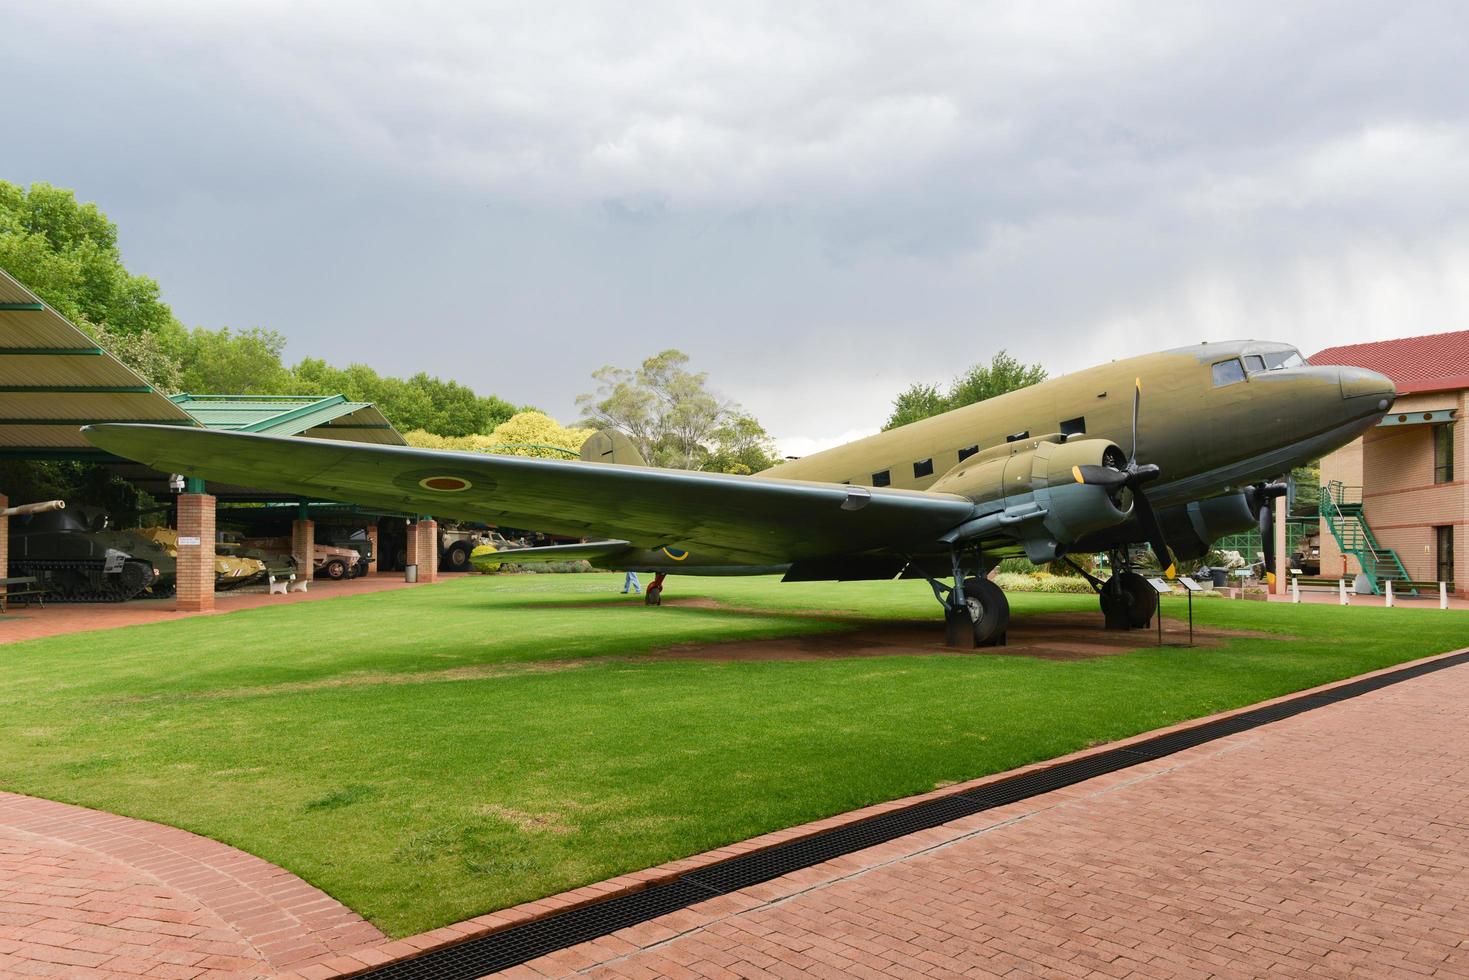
(611,446)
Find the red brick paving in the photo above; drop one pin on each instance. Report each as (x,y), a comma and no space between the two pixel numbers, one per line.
(1335,843)
(32,622)
(91,894)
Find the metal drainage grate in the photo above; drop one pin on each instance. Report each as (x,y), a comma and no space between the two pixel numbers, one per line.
(518,944)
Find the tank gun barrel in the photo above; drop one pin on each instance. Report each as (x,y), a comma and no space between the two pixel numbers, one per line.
(39,507)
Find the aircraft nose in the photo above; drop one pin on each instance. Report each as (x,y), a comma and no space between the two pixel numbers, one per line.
(1360,383)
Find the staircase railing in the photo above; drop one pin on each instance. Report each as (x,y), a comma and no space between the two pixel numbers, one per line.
(1341,505)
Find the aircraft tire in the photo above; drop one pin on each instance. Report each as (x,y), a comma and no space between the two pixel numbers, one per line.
(1143,600)
(653,596)
(991,618)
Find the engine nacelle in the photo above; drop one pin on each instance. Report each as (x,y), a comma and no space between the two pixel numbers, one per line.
(1044,474)
(1193,528)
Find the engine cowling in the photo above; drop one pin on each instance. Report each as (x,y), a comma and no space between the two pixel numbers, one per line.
(1193,528)
(1044,474)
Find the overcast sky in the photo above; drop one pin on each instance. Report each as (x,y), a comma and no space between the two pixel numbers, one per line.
(821,203)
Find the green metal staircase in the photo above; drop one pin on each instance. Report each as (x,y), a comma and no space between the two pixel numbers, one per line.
(1341,507)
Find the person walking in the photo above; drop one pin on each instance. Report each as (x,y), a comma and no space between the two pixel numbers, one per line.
(631,583)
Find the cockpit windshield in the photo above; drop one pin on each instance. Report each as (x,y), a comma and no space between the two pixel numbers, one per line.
(1275,360)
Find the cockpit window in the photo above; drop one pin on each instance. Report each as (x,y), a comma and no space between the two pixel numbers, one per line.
(1254,362)
(1228,372)
(1284,359)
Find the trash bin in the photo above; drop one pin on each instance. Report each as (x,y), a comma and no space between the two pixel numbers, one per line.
(1220,577)
(410,573)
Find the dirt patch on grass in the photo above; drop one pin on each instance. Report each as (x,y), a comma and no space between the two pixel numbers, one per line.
(472,673)
(1048,636)
(541,823)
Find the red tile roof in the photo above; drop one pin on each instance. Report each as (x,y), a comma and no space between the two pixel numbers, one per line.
(1436,362)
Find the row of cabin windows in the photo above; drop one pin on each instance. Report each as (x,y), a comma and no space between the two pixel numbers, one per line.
(924,467)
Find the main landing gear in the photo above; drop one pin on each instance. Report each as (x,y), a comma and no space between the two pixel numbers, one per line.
(976,612)
(1128,601)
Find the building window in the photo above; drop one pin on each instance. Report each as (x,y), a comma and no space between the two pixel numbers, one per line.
(882,479)
(966,452)
(1228,372)
(1445,536)
(922,468)
(1443,453)
(1016,437)
(1074,427)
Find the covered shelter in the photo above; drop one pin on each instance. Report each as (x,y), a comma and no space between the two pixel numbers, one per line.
(55,379)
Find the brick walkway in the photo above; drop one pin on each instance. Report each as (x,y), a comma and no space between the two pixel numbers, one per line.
(56,618)
(90,894)
(1335,843)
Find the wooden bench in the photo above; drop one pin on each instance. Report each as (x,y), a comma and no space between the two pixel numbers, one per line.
(27,590)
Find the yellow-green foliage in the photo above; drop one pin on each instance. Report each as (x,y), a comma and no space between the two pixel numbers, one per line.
(524,434)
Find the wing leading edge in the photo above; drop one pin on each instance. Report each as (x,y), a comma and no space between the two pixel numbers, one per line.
(740,519)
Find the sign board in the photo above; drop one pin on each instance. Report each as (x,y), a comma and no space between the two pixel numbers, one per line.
(1189,584)
(1161,586)
(186,539)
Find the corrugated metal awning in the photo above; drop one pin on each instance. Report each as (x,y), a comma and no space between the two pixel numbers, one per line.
(314,416)
(54,379)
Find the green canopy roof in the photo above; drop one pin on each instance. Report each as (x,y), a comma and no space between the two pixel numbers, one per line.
(317,416)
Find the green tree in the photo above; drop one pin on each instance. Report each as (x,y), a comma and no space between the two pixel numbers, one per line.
(673,418)
(229,362)
(1002,374)
(66,253)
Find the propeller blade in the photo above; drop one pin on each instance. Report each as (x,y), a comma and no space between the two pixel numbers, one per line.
(1148,521)
(1100,476)
(1267,537)
(1137,397)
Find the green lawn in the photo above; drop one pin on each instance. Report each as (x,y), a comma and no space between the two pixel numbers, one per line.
(430,754)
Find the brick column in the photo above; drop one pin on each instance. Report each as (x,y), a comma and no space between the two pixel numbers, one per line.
(4,546)
(196,553)
(428,550)
(303,548)
(372,540)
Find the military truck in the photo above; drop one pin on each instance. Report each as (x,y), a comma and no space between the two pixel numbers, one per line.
(76,556)
(328,561)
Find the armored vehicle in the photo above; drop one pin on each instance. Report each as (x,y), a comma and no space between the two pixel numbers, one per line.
(328,561)
(230,571)
(76,557)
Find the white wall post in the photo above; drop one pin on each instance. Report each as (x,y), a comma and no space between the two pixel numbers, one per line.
(1389,593)
(1295,588)
(1342,584)
(1443,595)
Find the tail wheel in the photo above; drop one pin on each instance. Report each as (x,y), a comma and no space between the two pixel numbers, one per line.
(989,610)
(336,569)
(654,596)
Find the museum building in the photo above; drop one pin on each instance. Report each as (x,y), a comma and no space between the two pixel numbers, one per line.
(1395,503)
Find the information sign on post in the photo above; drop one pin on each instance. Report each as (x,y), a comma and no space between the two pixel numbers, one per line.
(1191,587)
(1160,586)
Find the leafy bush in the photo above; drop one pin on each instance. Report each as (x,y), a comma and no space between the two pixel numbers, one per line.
(1041,582)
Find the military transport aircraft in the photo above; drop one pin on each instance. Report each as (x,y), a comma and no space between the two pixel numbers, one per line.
(1172,449)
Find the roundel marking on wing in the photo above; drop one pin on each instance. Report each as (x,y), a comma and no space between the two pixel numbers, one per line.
(675,553)
(445,484)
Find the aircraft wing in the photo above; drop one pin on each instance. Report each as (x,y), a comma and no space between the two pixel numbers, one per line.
(744,519)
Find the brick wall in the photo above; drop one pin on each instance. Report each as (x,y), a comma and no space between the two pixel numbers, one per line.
(1402,503)
(372,538)
(303,548)
(195,561)
(1344,465)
